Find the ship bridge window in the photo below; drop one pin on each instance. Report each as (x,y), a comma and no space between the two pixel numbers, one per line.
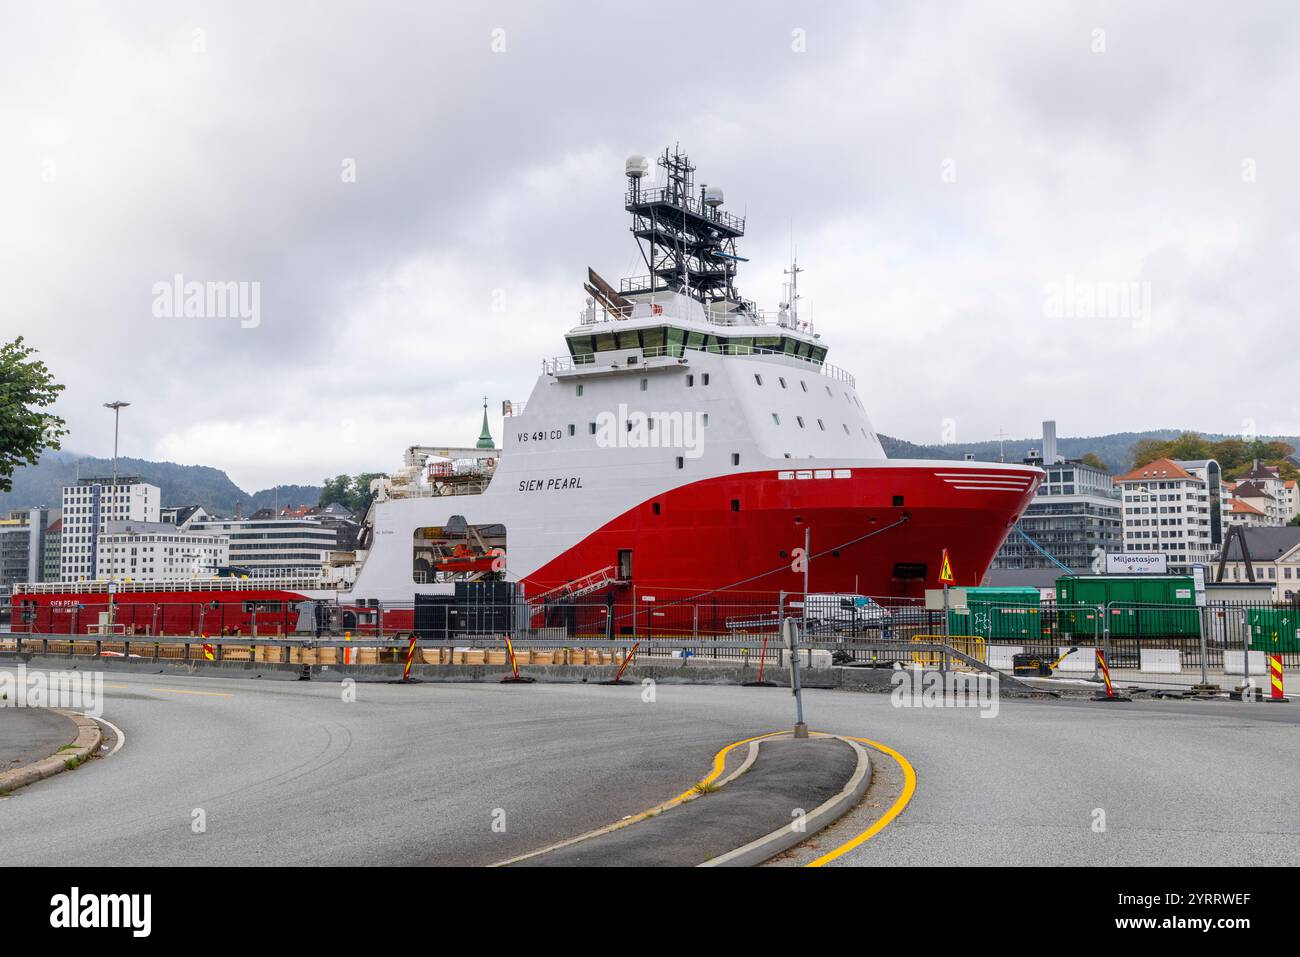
(742,345)
(582,346)
(653,339)
(676,338)
(694,340)
(629,340)
(605,342)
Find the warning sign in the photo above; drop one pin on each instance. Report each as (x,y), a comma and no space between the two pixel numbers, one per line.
(945,570)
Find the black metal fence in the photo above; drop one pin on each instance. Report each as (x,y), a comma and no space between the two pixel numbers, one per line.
(1200,635)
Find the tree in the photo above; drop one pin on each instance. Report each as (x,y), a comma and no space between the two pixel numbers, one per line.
(26,387)
(1091,458)
(352,492)
(1235,456)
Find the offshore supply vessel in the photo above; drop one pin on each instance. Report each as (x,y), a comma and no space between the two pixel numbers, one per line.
(687,443)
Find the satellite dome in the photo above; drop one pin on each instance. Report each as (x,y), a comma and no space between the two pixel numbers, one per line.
(713,196)
(636,166)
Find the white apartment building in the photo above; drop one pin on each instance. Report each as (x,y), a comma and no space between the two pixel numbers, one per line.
(275,546)
(158,551)
(87,508)
(1173,507)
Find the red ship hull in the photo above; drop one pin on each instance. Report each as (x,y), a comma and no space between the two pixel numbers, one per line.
(740,533)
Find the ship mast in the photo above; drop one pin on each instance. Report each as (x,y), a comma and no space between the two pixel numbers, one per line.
(686,240)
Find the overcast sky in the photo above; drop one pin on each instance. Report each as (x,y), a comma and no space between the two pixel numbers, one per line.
(960,179)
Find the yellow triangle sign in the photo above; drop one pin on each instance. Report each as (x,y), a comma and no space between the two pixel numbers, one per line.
(945,571)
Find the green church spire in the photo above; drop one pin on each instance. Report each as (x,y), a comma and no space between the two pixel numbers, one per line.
(485,437)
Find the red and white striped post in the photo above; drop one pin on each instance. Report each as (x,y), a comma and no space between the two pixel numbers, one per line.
(1105,673)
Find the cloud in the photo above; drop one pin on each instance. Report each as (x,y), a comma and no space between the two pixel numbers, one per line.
(939,167)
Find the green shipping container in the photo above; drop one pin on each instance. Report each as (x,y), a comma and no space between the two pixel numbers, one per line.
(993,613)
(1274,629)
(1139,605)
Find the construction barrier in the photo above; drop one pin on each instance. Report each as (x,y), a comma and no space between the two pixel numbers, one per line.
(1105,673)
(1277,691)
(972,646)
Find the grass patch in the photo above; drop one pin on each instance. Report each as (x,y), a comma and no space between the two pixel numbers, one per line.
(72,763)
(705,787)
(67,747)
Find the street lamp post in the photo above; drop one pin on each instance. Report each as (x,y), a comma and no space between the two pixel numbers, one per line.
(117,408)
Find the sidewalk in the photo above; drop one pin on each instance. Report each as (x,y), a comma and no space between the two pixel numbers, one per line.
(29,734)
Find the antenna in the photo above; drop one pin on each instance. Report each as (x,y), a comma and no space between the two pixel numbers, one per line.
(793,287)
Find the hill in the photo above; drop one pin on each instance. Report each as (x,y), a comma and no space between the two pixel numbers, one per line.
(42,484)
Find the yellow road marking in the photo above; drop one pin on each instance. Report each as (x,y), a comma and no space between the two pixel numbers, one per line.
(909,788)
(719,764)
(214,694)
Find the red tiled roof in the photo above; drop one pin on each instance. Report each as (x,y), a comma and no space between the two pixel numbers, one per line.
(1158,470)
(1241,508)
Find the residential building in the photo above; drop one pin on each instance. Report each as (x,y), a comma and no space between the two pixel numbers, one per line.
(158,551)
(182,515)
(53,551)
(1173,507)
(87,507)
(1241,512)
(1274,559)
(1258,501)
(1075,515)
(22,546)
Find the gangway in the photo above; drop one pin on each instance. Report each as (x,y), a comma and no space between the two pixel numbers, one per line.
(577,587)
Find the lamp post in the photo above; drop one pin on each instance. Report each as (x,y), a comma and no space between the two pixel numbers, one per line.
(117,408)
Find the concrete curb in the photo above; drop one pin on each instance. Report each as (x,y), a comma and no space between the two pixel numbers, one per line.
(786,837)
(663,671)
(84,747)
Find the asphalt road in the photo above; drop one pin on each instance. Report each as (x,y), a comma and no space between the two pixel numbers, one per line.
(288,773)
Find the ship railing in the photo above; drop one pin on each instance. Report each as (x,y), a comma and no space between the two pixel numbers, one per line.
(692,204)
(120,586)
(678,351)
(749,315)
